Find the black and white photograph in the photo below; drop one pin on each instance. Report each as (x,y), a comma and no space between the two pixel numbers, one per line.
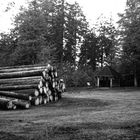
(70,70)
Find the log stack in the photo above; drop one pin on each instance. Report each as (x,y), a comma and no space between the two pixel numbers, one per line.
(23,86)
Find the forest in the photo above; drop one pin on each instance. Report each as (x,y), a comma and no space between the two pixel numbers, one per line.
(57,32)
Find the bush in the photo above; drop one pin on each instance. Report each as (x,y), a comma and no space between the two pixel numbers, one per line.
(77,78)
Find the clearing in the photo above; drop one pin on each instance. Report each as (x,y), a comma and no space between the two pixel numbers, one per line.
(82,114)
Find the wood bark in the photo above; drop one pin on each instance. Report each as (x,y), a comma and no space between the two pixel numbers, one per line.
(20,74)
(29,92)
(21,103)
(44,100)
(23,80)
(5,103)
(40,99)
(35,101)
(25,67)
(39,82)
(17,87)
(15,95)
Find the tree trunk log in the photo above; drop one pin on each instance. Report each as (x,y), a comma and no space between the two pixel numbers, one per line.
(21,103)
(6,103)
(39,81)
(29,92)
(20,74)
(40,99)
(15,95)
(44,100)
(35,101)
(23,80)
(18,87)
(23,67)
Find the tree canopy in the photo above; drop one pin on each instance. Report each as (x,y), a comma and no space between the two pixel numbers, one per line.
(57,32)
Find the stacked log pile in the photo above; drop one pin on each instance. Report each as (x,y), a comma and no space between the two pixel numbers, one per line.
(21,87)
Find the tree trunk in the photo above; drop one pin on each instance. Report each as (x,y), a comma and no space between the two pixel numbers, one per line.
(22,81)
(30,92)
(5,103)
(20,74)
(21,103)
(18,87)
(44,100)
(35,101)
(23,67)
(40,99)
(15,95)
(26,82)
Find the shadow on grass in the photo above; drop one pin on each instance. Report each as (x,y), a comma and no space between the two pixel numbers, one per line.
(91,131)
(80,102)
(9,136)
(114,89)
(84,131)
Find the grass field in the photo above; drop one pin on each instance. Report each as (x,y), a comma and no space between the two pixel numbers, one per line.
(82,114)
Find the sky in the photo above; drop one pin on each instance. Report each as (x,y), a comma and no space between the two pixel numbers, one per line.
(92,10)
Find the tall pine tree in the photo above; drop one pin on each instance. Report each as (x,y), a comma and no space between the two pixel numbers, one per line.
(130,38)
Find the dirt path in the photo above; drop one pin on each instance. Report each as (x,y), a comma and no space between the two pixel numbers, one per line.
(85,114)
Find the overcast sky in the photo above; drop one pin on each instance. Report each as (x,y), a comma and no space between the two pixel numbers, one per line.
(91,8)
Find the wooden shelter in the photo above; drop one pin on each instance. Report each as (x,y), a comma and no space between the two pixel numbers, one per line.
(107,77)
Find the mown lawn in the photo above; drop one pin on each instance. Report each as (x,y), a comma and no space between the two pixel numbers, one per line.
(82,114)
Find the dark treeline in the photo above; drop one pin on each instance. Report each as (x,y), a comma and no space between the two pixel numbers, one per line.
(57,32)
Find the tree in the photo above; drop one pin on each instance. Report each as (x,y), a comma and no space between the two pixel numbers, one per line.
(34,33)
(89,52)
(8,44)
(58,13)
(106,42)
(99,46)
(49,31)
(75,28)
(130,37)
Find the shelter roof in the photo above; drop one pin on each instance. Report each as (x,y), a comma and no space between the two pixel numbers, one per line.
(107,71)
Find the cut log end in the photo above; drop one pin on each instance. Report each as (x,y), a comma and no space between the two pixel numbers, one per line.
(10,105)
(51,98)
(56,98)
(30,98)
(14,107)
(35,101)
(36,92)
(44,100)
(40,99)
(41,90)
(27,106)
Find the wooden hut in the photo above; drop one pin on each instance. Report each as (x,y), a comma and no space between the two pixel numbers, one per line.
(107,77)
